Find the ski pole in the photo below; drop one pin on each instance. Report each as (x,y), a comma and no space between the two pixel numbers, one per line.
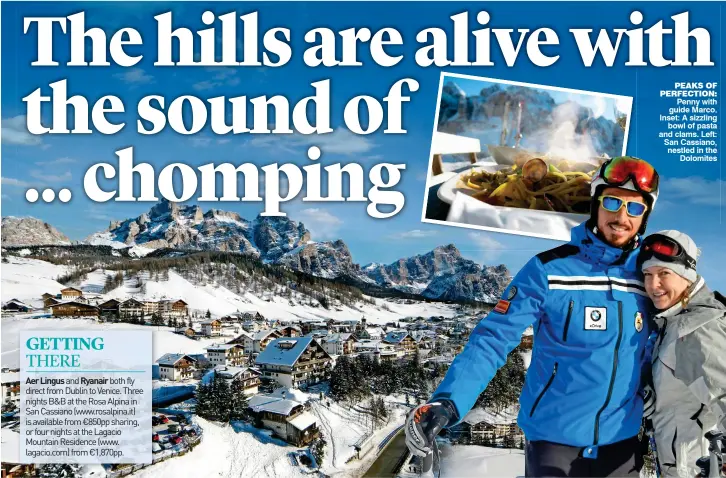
(430,462)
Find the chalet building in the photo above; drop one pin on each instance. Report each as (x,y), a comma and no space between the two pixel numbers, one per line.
(189,332)
(110,307)
(130,308)
(176,367)
(294,362)
(246,378)
(170,309)
(403,341)
(232,318)
(150,307)
(378,350)
(212,328)
(240,339)
(374,333)
(74,309)
(340,344)
(50,299)
(288,419)
(290,331)
(70,293)
(228,355)
(15,305)
(10,381)
(258,341)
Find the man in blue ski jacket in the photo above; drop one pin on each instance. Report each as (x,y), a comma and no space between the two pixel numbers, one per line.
(580,407)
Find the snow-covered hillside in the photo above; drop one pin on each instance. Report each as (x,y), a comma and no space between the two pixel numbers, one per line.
(28,279)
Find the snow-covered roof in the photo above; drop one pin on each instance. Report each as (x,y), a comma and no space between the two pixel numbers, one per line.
(303,421)
(262,334)
(338,337)
(211,322)
(232,372)
(172,359)
(222,347)
(284,351)
(395,337)
(10,377)
(267,403)
(18,302)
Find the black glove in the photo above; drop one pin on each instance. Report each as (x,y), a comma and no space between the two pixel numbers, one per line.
(425,422)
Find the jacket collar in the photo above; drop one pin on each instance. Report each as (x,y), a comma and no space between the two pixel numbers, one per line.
(598,250)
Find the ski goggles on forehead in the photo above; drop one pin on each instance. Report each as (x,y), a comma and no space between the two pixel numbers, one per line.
(614,204)
(619,171)
(665,249)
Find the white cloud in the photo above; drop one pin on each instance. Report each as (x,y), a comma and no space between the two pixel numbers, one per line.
(51,178)
(204,85)
(200,141)
(694,190)
(14,182)
(135,76)
(221,76)
(340,141)
(320,222)
(15,131)
(413,234)
(56,162)
(485,244)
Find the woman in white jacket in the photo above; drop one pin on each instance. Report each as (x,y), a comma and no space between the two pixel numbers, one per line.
(689,359)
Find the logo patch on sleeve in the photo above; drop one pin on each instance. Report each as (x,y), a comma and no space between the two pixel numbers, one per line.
(596,318)
(502,306)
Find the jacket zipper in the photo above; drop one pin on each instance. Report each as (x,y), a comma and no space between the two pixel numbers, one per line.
(612,377)
(541,394)
(567,321)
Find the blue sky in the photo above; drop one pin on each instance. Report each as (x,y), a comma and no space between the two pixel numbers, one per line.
(692,204)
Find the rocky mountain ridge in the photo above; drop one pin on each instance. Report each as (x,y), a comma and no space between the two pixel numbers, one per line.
(439,274)
(29,231)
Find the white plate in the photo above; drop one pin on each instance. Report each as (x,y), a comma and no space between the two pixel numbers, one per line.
(448,190)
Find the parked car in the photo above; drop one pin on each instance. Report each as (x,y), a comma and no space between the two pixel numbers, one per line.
(155,437)
(155,420)
(164,419)
(175,439)
(173,428)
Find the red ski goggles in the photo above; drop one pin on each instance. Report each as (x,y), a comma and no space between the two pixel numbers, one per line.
(620,170)
(665,249)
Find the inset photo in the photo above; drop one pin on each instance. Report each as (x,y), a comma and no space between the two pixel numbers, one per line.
(516,157)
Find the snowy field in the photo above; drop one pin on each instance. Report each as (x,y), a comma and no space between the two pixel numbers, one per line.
(460,461)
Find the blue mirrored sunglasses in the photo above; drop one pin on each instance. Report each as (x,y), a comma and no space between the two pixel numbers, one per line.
(613,204)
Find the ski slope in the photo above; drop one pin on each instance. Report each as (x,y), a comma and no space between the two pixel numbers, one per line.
(28,279)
